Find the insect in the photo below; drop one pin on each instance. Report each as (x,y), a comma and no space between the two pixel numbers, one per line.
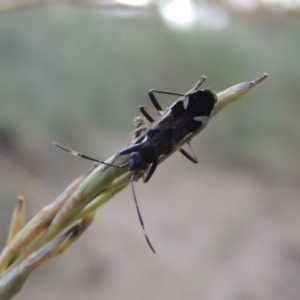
(185,116)
(188,114)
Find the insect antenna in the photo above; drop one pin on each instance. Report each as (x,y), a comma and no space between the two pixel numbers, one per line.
(75,153)
(139,214)
(72,152)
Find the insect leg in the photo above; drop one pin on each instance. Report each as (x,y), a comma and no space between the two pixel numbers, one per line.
(144,109)
(192,157)
(150,171)
(139,214)
(197,85)
(154,100)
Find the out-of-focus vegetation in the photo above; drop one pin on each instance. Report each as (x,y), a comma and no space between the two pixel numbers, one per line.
(77,76)
(70,73)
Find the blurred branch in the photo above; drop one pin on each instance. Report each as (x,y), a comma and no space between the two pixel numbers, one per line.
(6,6)
(11,5)
(61,223)
(258,10)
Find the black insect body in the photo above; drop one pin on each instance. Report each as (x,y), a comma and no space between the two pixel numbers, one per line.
(188,114)
(144,154)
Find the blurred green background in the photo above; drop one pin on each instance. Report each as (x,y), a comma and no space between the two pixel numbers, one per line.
(227,228)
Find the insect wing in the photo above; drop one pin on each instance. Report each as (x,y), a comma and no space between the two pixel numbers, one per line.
(200,103)
(187,114)
(198,107)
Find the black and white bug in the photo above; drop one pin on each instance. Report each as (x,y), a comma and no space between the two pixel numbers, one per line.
(187,115)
